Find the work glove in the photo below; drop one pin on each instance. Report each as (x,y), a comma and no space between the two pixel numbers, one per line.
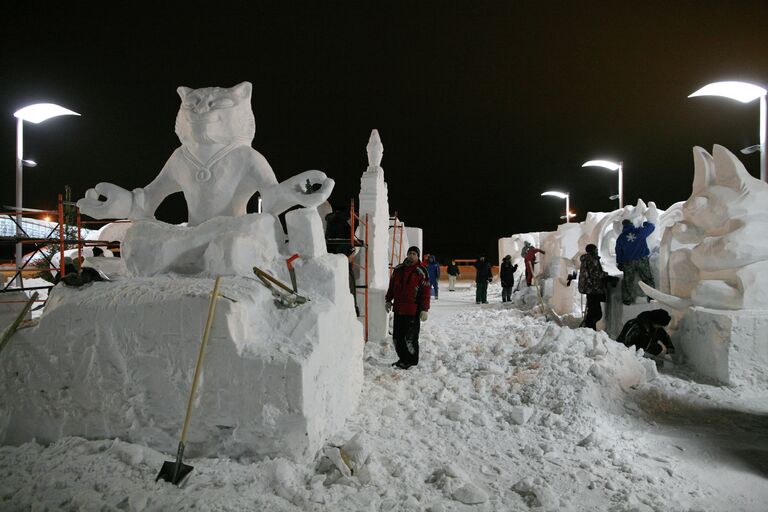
(388,306)
(423,316)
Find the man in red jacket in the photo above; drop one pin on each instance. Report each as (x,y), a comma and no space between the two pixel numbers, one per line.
(409,290)
(529,258)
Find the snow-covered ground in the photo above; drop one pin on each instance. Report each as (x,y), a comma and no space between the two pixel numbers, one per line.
(506,411)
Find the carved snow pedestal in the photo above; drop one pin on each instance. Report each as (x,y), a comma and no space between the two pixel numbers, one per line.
(729,346)
(116,359)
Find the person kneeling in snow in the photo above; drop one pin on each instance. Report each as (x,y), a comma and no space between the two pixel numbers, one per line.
(646,331)
(409,290)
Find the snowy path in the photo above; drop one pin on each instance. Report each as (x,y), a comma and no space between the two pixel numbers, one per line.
(504,412)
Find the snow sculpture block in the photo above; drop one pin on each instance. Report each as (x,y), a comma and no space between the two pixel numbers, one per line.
(377,324)
(224,245)
(729,346)
(307,234)
(415,237)
(399,241)
(275,382)
(513,245)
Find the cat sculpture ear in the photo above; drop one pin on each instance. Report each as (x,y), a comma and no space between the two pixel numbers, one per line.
(729,171)
(243,90)
(183,91)
(703,170)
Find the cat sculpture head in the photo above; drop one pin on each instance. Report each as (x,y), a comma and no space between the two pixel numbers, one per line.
(723,234)
(216,115)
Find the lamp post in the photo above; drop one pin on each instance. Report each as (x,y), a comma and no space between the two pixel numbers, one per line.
(745,93)
(611,166)
(562,195)
(36,114)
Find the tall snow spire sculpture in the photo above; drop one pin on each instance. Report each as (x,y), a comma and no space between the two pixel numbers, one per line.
(375,150)
(374,203)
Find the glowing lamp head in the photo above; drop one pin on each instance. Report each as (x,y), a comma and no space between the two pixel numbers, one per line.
(739,91)
(605,164)
(554,193)
(40,112)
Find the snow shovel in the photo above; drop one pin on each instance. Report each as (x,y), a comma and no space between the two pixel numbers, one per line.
(175,472)
(289,299)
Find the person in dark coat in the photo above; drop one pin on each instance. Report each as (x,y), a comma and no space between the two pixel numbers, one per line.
(433,272)
(646,331)
(592,279)
(483,276)
(507,277)
(632,258)
(453,273)
(338,240)
(408,295)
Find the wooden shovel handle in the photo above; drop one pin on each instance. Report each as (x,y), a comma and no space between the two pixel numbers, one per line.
(196,378)
(271,279)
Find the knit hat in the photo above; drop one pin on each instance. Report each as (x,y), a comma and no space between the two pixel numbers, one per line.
(414,249)
(507,257)
(626,222)
(591,249)
(659,317)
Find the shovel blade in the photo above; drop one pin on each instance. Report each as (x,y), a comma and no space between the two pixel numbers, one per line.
(174,471)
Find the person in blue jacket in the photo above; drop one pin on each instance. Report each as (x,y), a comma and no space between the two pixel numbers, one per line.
(433,271)
(632,258)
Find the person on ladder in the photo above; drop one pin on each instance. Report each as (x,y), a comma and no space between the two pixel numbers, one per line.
(408,294)
(529,257)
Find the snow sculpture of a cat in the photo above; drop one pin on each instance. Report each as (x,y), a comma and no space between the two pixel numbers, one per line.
(215,167)
(718,251)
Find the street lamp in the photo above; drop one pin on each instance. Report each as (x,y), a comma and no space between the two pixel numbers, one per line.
(745,93)
(36,114)
(562,195)
(611,166)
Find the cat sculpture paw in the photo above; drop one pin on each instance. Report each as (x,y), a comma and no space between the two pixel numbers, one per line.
(118,203)
(295,191)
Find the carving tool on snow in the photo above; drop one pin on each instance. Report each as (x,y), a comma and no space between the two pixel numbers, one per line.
(290,299)
(292,270)
(175,472)
(15,325)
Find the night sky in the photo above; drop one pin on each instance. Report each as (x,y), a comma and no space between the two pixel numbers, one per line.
(480,108)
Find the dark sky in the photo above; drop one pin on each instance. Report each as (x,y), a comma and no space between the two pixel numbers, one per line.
(480,108)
